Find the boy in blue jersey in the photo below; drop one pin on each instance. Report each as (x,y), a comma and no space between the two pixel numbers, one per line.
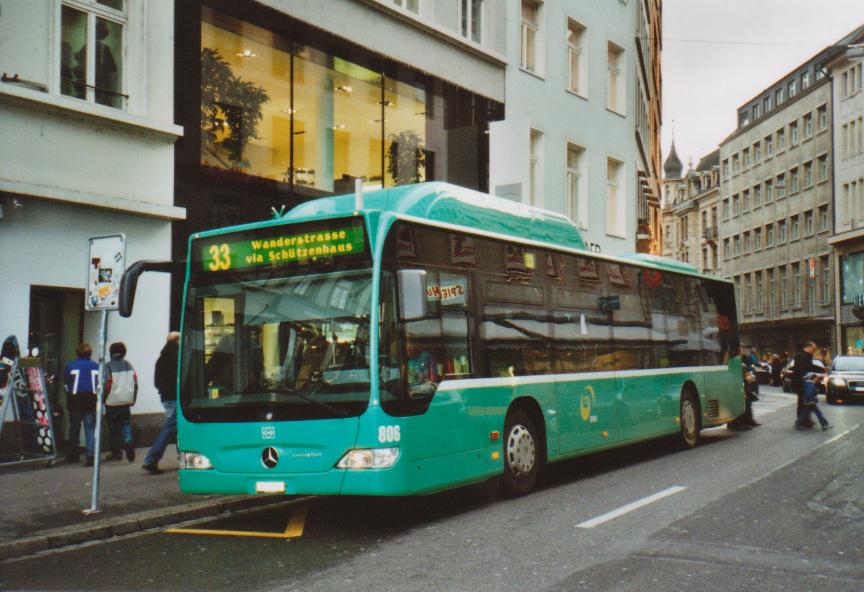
(81,379)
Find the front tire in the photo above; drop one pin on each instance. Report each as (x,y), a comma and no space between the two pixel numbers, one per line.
(521,454)
(688,435)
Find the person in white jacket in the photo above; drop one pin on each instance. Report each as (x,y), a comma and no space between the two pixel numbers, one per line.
(121,391)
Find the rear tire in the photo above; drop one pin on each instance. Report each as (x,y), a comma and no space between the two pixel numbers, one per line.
(831,400)
(688,436)
(521,454)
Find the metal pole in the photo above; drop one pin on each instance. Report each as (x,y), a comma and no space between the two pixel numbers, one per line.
(103,339)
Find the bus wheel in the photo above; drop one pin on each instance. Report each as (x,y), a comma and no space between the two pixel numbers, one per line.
(521,458)
(689,435)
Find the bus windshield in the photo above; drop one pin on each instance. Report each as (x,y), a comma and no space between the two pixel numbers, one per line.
(278,348)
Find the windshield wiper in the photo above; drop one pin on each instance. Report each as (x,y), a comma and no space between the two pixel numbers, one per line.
(310,399)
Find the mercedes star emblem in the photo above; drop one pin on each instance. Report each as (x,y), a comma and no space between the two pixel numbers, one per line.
(270,457)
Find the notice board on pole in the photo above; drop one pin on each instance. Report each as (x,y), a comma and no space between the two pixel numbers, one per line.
(106,262)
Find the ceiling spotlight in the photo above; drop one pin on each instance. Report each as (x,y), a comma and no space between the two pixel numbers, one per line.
(246,53)
(339,126)
(344,88)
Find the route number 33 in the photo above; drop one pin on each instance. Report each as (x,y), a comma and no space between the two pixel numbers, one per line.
(220,257)
(389,434)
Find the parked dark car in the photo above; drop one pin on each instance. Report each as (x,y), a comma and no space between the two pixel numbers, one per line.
(786,375)
(846,380)
(762,371)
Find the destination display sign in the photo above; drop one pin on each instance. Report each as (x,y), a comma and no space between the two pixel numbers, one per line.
(283,245)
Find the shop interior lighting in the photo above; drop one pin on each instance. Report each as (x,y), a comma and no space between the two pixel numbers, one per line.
(344,88)
(246,53)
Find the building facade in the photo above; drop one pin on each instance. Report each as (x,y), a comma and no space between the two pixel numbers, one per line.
(581,133)
(283,102)
(776,211)
(848,240)
(691,212)
(87,108)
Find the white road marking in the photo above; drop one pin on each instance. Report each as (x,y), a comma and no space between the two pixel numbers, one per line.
(630,507)
(838,436)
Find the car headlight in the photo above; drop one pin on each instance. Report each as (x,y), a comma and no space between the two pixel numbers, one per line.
(837,381)
(369,458)
(194,461)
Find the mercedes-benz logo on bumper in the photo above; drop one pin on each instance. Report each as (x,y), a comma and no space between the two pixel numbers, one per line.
(270,457)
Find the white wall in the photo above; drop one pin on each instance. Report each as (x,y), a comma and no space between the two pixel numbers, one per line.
(46,245)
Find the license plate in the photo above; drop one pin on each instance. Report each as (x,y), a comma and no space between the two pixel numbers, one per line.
(270,487)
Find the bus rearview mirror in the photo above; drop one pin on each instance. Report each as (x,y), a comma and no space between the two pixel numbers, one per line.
(412,294)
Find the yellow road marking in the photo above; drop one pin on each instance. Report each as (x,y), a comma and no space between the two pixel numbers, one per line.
(292,531)
(297,523)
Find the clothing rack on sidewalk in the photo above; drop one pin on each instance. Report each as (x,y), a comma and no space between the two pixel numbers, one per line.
(26,426)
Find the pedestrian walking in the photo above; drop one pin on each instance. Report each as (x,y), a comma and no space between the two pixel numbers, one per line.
(746,421)
(776,367)
(802,365)
(810,402)
(165,379)
(81,379)
(121,391)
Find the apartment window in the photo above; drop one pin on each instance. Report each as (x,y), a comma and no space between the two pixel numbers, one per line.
(726,170)
(91,61)
(747,293)
(725,209)
(805,80)
(757,239)
(530,32)
(757,152)
(736,165)
(794,227)
(412,5)
(757,196)
(577,206)
(576,70)
(784,294)
(823,218)
(684,229)
(736,205)
(822,117)
(792,88)
(780,185)
(769,235)
(737,245)
(781,139)
(746,157)
(808,125)
(616,219)
(758,288)
(766,104)
(808,223)
(793,133)
(825,266)
(727,250)
(808,174)
(823,167)
(844,140)
(769,188)
(615,91)
(796,279)
(747,246)
(845,86)
(793,180)
(536,167)
(778,97)
(769,146)
(472,19)
(771,287)
(745,200)
(755,112)
(781,231)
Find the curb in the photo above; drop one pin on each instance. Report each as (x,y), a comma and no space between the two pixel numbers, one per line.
(140,521)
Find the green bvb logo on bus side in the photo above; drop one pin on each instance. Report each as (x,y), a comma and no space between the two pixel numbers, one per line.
(585,403)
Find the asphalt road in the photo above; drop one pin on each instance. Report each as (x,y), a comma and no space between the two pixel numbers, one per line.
(767,509)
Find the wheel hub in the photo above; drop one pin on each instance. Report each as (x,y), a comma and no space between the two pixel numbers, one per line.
(521,452)
(688,419)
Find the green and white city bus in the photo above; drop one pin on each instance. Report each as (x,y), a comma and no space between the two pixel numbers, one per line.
(425,337)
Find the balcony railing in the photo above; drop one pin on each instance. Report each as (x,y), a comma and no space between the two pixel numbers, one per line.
(710,234)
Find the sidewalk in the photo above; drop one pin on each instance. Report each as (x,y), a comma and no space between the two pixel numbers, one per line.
(42,506)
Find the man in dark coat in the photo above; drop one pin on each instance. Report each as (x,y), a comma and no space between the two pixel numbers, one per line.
(165,380)
(802,365)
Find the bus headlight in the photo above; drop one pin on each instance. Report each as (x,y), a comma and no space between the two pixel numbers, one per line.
(194,461)
(369,458)
(837,381)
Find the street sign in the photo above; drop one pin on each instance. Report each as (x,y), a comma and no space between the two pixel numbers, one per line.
(106,262)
